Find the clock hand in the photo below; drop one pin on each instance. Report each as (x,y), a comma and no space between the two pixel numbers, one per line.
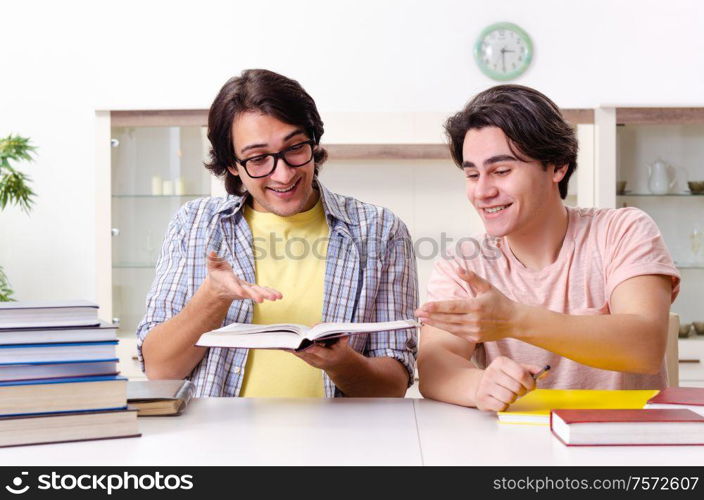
(503,59)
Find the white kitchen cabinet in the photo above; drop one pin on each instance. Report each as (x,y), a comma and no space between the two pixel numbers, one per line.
(691,355)
(628,140)
(154,171)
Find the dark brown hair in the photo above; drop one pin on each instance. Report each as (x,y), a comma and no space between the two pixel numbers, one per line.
(532,123)
(266,92)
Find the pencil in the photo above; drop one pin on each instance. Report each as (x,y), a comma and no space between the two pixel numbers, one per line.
(541,372)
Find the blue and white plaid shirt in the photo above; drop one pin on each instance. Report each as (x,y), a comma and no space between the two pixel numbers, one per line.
(370,275)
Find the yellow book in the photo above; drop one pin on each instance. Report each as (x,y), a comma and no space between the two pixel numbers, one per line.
(534,408)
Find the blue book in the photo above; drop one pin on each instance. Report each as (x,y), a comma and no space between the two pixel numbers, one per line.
(50,335)
(14,354)
(61,369)
(68,394)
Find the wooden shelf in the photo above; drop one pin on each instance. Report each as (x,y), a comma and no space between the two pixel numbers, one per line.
(199,117)
(384,151)
(160,118)
(163,196)
(668,195)
(659,116)
(577,116)
(388,151)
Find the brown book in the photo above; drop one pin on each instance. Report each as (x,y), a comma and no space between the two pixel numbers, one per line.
(69,426)
(159,397)
(62,394)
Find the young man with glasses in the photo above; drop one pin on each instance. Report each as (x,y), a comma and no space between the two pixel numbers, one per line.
(280,248)
(586,291)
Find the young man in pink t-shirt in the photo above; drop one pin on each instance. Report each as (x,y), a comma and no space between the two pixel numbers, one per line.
(586,291)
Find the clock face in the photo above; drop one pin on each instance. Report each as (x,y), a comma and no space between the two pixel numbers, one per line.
(503,51)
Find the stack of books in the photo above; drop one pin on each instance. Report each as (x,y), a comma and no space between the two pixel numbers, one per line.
(58,375)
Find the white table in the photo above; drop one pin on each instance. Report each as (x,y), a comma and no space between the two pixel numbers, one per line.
(241,431)
(244,431)
(453,435)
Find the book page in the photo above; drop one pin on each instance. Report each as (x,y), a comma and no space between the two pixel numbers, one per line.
(326,330)
(249,328)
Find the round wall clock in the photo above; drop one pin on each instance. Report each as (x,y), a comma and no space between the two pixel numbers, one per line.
(503,51)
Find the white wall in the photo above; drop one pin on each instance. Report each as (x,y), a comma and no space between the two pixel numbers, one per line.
(63,60)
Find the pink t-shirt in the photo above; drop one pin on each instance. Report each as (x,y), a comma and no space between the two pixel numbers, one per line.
(602,248)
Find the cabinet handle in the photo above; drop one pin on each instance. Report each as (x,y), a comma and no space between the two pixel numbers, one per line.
(692,361)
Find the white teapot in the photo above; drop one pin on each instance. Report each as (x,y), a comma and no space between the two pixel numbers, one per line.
(661,177)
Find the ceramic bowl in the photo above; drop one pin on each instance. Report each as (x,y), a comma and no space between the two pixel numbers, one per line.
(685,330)
(696,187)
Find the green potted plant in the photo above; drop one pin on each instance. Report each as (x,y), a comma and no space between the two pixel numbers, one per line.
(14,187)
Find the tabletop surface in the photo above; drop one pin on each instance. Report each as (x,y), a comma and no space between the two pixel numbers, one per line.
(453,435)
(343,431)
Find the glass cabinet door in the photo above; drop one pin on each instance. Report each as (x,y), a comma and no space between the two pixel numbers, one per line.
(657,165)
(154,170)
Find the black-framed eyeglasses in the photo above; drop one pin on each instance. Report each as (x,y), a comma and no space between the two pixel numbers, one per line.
(294,156)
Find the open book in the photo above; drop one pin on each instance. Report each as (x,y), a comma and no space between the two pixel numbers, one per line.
(290,336)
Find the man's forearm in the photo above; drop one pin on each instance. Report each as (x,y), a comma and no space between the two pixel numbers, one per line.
(620,342)
(169,350)
(447,376)
(361,376)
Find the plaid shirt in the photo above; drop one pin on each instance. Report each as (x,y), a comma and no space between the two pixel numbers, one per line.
(370,275)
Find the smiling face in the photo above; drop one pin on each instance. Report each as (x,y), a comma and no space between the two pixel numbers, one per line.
(287,191)
(511,195)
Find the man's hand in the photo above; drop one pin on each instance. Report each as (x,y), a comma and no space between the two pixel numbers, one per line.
(327,358)
(227,286)
(354,374)
(503,382)
(489,316)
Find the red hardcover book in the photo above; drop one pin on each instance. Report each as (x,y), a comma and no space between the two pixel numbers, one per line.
(627,427)
(690,398)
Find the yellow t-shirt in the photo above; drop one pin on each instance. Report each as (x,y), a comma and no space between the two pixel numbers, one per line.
(289,256)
